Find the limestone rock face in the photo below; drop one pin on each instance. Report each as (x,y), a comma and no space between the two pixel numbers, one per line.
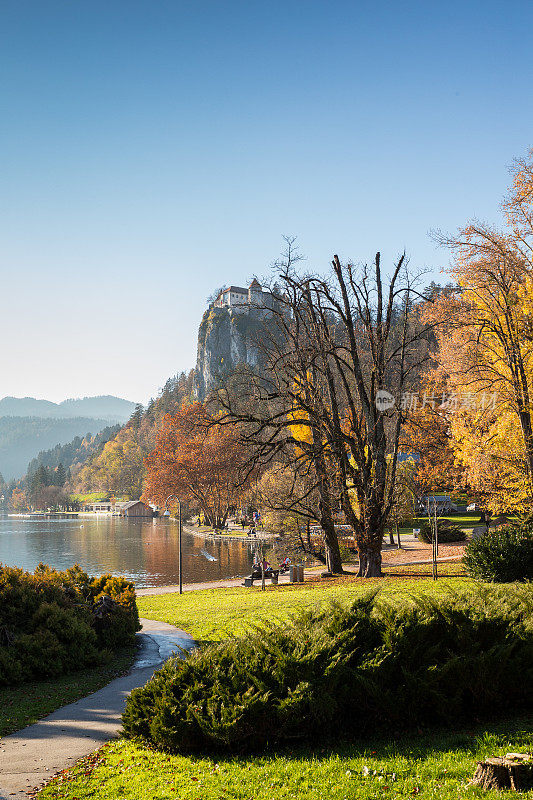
(225,340)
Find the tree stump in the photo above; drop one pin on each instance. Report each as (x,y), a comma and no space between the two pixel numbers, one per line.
(514,772)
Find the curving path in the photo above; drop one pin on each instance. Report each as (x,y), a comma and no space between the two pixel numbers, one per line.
(33,754)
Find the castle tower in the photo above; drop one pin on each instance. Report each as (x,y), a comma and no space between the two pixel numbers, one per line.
(255,293)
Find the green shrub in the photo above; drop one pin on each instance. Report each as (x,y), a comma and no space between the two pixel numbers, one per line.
(501,555)
(49,625)
(345,672)
(448,532)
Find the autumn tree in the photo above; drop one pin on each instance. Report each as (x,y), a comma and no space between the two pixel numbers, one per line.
(290,499)
(487,346)
(48,497)
(200,463)
(19,500)
(427,435)
(119,467)
(118,464)
(405,497)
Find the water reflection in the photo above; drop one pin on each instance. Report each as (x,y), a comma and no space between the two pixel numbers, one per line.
(145,551)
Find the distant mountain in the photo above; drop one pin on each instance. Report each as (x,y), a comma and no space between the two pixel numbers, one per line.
(104,407)
(27,407)
(22,438)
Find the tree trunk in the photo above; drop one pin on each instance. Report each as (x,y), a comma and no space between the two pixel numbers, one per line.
(369,563)
(333,553)
(331,542)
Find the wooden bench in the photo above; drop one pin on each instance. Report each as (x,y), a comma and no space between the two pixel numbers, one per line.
(274,575)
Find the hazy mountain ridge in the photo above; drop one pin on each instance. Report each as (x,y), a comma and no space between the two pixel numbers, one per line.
(22,438)
(102,407)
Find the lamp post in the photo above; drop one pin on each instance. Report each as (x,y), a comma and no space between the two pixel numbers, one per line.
(166,513)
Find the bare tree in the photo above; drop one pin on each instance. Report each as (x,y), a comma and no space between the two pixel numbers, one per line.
(293,498)
(339,353)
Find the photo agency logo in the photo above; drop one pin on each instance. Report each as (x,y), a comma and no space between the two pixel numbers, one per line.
(446,401)
(384,400)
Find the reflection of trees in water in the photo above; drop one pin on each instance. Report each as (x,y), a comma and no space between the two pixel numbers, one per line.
(232,558)
(146,551)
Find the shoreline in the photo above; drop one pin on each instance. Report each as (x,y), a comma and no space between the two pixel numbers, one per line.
(238,537)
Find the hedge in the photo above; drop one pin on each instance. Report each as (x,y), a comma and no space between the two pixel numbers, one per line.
(55,622)
(345,673)
(448,532)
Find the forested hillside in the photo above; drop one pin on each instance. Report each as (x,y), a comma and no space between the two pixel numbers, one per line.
(74,453)
(118,467)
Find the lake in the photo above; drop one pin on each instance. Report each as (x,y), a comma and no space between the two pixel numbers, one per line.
(144,551)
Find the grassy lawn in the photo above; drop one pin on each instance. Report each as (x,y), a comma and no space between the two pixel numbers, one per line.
(22,705)
(431,764)
(437,765)
(214,614)
(466,521)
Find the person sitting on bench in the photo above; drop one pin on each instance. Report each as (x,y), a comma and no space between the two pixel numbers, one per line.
(257,572)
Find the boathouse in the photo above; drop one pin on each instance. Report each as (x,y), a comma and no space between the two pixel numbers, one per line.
(135,508)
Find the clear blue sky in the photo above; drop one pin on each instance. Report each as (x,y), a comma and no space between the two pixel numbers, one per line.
(152,150)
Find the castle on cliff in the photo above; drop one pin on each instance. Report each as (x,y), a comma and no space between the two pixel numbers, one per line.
(229,333)
(238,299)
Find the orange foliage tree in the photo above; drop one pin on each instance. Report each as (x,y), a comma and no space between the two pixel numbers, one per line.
(19,501)
(199,462)
(427,434)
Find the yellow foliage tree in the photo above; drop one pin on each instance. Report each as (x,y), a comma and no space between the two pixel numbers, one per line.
(119,468)
(487,349)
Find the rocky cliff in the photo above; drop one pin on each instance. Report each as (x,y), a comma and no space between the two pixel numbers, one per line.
(225,340)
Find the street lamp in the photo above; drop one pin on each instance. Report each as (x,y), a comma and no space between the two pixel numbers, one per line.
(166,513)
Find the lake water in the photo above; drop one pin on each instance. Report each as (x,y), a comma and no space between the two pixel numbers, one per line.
(145,551)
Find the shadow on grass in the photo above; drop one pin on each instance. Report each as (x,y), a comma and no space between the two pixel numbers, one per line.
(26,703)
(422,576)
(482,737)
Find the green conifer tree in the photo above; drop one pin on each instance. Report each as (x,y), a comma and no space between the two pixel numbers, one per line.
(60,476)
(136,417)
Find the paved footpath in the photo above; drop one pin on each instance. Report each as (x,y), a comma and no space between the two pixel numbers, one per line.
(34,754)
(229,583)
(31,756)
